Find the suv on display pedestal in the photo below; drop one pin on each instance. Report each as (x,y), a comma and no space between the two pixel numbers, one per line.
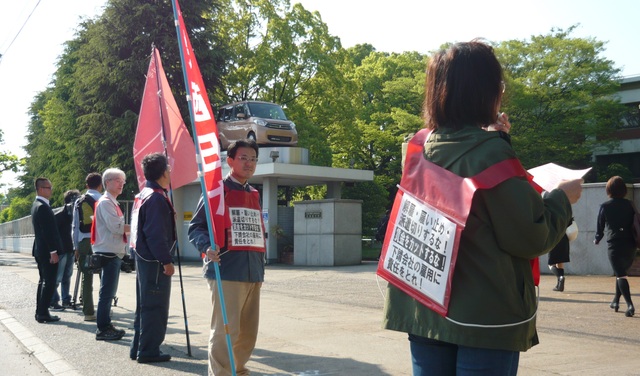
(264,122)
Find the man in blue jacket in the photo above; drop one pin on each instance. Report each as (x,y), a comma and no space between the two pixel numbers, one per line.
(153,231)
(241,262)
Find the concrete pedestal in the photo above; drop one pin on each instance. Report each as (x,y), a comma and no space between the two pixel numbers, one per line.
(327,232)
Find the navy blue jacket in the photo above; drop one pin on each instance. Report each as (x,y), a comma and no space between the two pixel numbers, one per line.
(156,226)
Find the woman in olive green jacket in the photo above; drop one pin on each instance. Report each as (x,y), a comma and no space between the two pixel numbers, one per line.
(491,314)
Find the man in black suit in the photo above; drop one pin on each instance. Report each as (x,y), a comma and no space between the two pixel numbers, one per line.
(46,245)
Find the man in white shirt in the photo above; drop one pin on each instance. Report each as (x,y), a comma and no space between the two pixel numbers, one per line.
(109,240)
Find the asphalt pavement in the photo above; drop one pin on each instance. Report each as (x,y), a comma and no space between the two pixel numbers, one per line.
(314,321)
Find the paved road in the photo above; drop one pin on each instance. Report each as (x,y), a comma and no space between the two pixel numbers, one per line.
(314,321)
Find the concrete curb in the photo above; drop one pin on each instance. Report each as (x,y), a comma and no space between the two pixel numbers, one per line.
(50,359)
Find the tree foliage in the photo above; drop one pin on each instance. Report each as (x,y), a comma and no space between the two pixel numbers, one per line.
(559,97)
(279,53)
(386,92)
(86,120)
(8,161)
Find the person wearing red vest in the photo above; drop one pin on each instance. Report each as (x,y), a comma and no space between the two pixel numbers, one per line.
(108,239)
(492,306)
(241,258)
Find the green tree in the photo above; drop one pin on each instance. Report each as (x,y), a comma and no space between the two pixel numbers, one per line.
(20,207)
(278,53)
(559,97)
(8,161)
(275,50)
(388,101)
(86,120)
(615,169)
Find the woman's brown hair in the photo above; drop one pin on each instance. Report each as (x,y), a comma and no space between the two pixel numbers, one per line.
(616,187)
(463,86)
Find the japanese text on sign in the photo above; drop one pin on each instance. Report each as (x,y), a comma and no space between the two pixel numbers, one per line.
(420,248)
(246,227)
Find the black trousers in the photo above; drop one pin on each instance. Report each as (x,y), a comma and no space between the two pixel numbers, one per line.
(48,273)
(153,293)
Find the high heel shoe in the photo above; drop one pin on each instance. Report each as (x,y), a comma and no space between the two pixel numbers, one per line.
(630,311)
(615,306)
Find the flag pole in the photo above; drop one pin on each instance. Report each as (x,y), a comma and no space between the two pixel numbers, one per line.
(166,154)
(204,188)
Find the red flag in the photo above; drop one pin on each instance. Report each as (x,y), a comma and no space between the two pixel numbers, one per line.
(206,134)
(160,120)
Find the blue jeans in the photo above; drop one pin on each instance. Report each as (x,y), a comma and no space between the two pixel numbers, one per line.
(63,279)
(108,286)
(436,358)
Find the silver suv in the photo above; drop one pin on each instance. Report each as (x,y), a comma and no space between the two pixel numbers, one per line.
(264,122)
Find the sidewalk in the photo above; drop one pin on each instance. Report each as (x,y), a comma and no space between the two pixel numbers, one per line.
(314,321)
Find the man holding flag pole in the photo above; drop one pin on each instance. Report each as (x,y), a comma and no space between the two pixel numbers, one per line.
(241,262)
(205,132)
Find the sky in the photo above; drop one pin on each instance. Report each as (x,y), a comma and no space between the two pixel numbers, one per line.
(29,60)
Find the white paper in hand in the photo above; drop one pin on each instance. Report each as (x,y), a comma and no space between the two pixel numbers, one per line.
(548,176)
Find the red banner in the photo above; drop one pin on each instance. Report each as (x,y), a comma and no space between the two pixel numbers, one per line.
(206,133)
(160,120)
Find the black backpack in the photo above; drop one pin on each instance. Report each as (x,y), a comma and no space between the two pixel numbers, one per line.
(85,207)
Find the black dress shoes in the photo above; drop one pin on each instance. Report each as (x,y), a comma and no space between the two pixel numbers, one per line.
(48,318)
(154,359)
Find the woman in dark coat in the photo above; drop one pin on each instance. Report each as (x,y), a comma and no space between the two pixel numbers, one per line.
(617,214)
(558,256)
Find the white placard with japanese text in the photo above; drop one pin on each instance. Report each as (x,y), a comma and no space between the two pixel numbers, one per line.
(420,248)
(246,227)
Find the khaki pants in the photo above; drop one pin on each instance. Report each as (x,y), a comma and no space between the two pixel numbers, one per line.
(242,301)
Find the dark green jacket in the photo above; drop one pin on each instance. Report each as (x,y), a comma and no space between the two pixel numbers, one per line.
(492,282)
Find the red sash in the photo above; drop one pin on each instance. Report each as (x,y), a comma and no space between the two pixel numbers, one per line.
(429,213)
(138,201)
(95,219)
(243,221)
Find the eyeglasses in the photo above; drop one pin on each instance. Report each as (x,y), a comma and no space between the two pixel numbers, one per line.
(246,159)
(118,180)
(46,187)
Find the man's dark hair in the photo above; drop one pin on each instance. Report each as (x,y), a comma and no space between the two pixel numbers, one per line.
(93,180)
(245,143)
(39,182)
(616,187)
(463,86)
(154,166)
(71,195)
